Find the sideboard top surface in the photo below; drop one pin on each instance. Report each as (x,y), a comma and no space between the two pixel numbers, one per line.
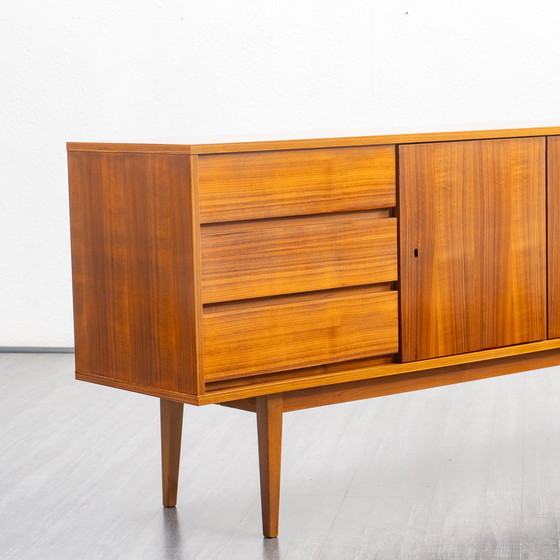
(308,143)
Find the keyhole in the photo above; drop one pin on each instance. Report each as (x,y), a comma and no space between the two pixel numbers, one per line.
(415,253)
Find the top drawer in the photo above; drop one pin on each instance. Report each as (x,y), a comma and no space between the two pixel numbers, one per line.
(245,186)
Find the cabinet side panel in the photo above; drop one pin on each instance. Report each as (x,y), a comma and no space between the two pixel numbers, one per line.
(132,264)
(472,246)
(553,236)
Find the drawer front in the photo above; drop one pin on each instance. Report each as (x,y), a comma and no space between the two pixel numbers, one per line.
(258,259)
(243,186)
(290,333)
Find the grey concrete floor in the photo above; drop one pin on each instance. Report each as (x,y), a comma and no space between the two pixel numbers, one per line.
(469,471)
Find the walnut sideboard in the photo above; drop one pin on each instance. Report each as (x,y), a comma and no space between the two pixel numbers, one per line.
(277,276)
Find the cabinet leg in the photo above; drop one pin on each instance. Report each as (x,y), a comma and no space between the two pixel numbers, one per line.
(171,417)
(269,428)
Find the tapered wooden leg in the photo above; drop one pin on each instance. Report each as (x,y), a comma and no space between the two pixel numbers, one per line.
(269,428)
(171,416)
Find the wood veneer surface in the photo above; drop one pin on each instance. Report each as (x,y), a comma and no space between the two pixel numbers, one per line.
(141,365)
(258,259)
(246,186)
(472,218)
(331,378)
(132,263)
(288,333)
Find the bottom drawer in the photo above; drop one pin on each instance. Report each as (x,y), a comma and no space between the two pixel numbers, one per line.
(293,332)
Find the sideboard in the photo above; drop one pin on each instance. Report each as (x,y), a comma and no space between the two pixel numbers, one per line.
(280,275)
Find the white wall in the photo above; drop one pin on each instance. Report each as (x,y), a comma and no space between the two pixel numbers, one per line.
(135,69)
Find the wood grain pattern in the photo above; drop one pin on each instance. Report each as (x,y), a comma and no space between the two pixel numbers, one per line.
(323,369)
(553,195)
(171,421)
(300,380)
(334,376)
(269,429)
(299,281)
(412,381)
(476,214)
(284,334)
(135,292)
(294,183)
(345,374)
(220,145)
(133,372)
(257,259)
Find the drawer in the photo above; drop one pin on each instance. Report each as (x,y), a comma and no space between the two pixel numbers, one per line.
(295,332)
(243,186)
(275,257)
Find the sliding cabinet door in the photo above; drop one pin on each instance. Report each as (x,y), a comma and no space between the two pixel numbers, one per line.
(472,218)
